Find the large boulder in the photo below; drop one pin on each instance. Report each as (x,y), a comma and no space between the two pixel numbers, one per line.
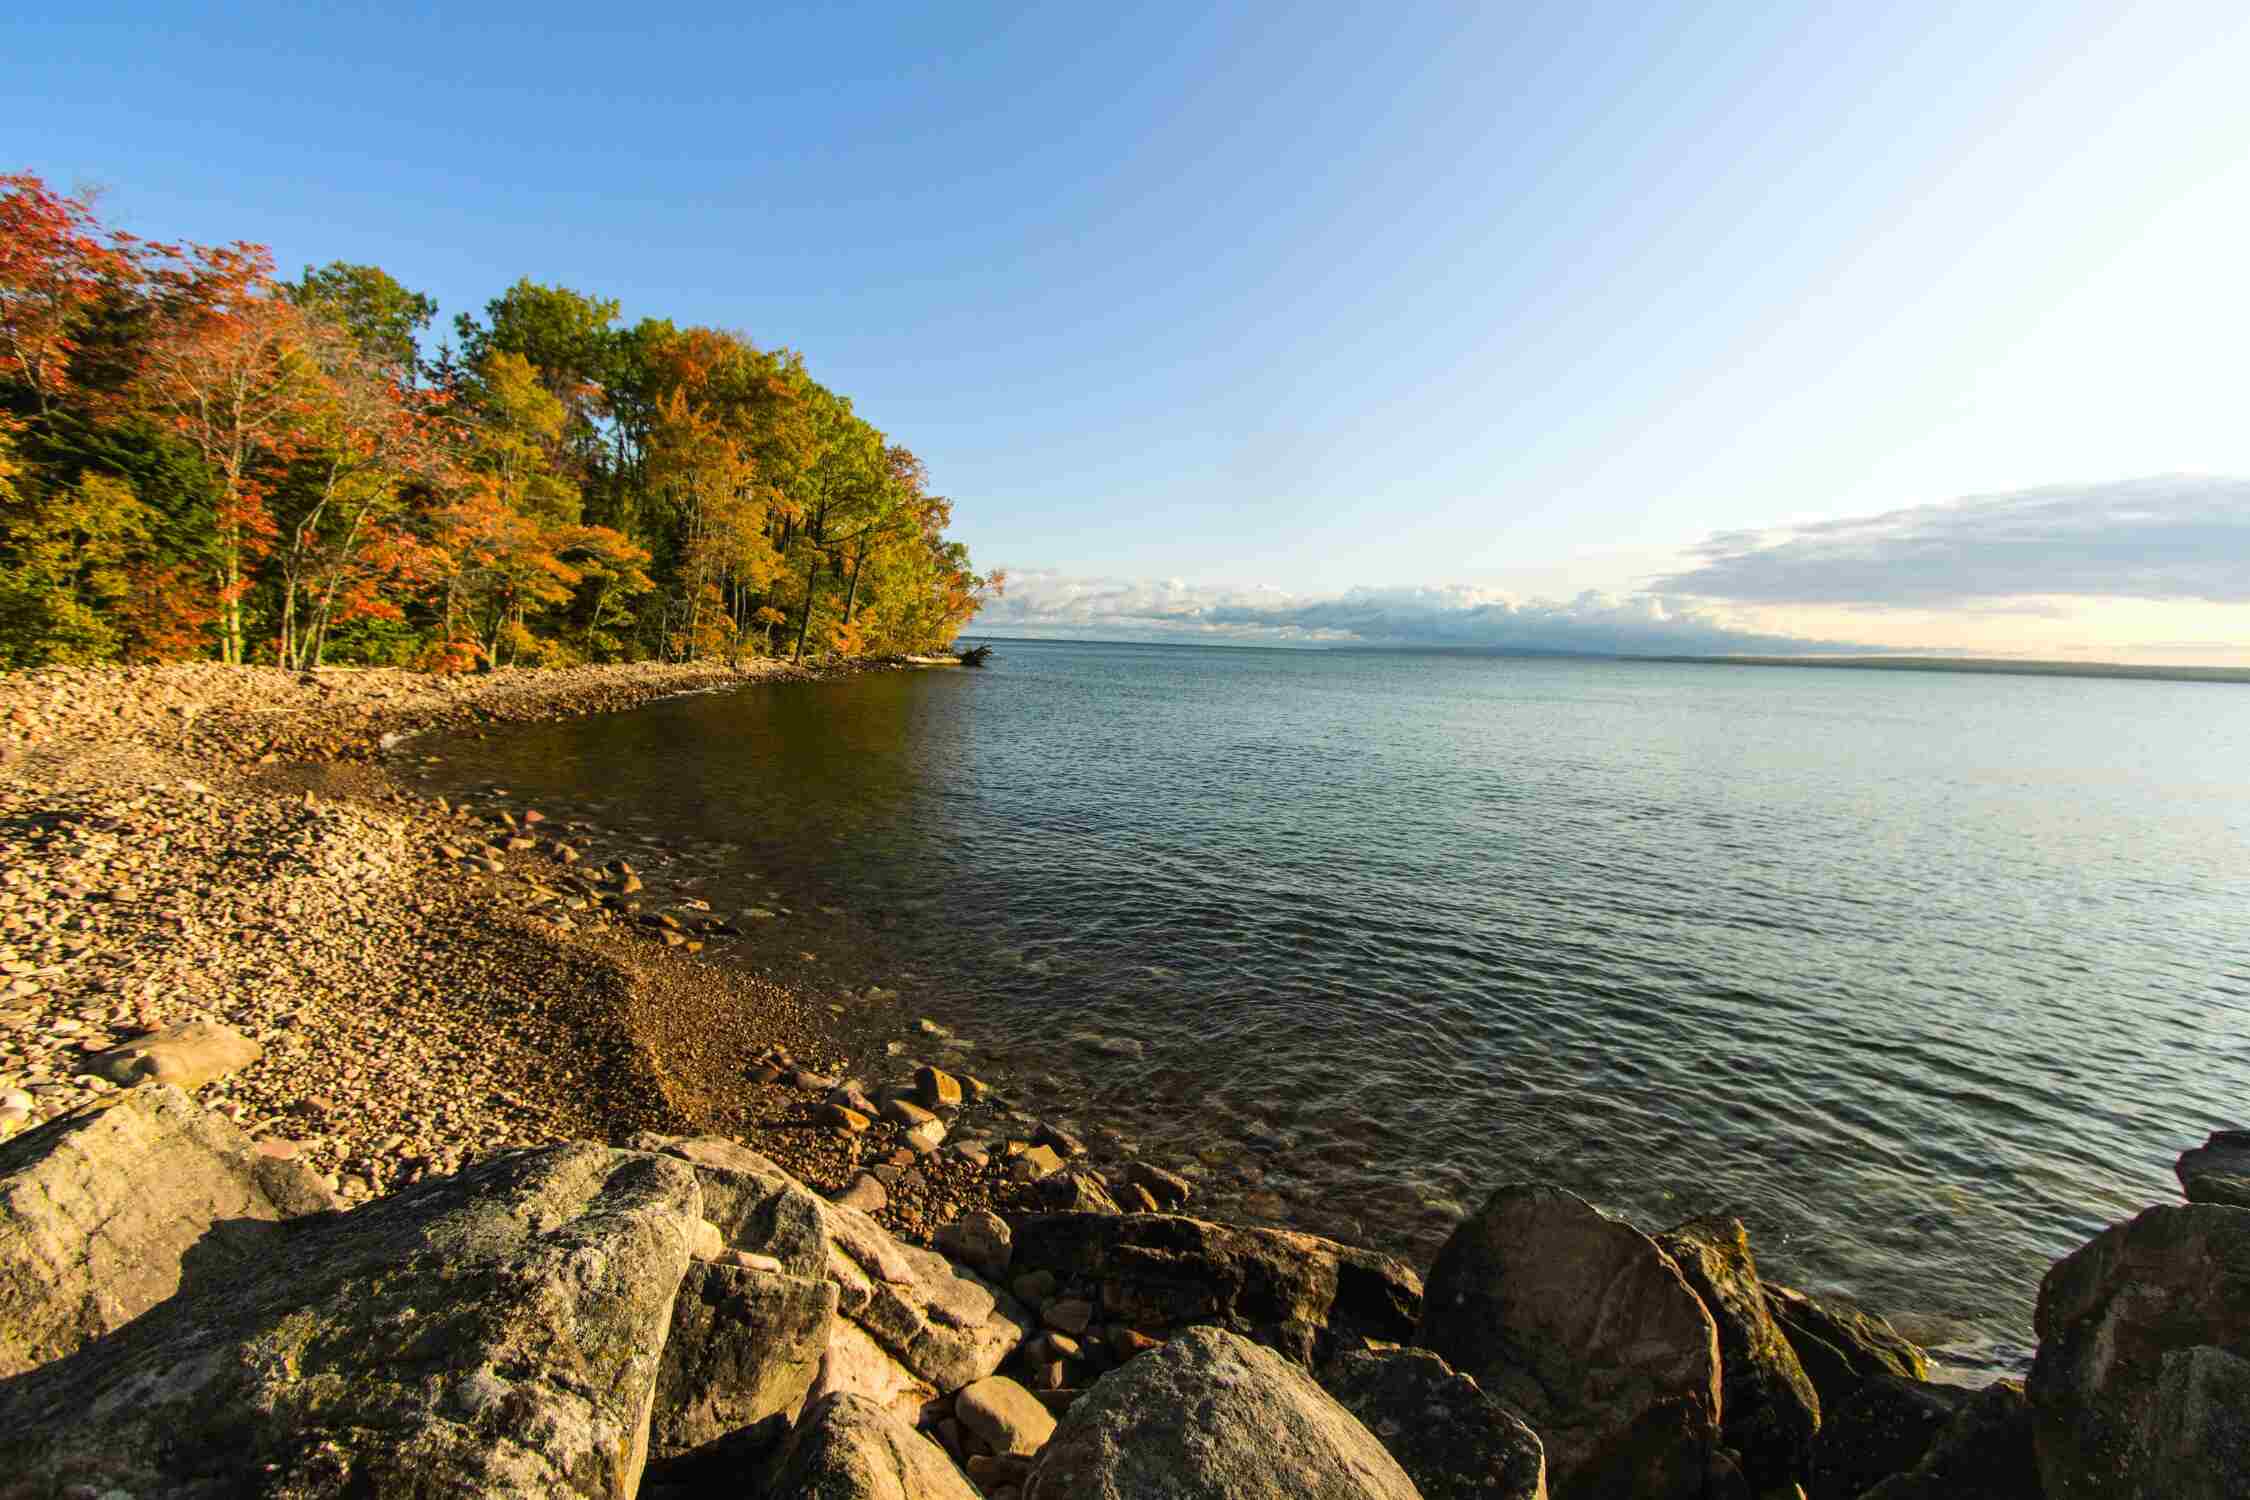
(1983,1453)
(495,1334)
(2218,1171)
(2142,1381)
(1453,1440)
(105,1215)
(1581,1323)
(850,1448)
(1768,1408)
(910,1326)
(744,1349)
(753,1203)
(1886,1428)
(1298,1292)
(1840,1347)
(1212,1414)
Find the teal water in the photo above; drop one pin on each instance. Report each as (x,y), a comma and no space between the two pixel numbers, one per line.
(1927,977)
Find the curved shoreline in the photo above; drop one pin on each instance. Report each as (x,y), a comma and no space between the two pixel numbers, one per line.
(425,994)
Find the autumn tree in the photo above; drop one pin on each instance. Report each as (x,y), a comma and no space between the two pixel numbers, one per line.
(233,370)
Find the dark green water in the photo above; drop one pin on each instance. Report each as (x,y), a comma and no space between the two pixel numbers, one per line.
(1926,977)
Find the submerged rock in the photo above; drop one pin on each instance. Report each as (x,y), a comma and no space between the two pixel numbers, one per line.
(105,1215)
(1580,1322)
(2142,1382)
(496,1333)
(1212,1414)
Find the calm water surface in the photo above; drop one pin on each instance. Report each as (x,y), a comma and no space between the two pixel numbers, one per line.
(1927,977)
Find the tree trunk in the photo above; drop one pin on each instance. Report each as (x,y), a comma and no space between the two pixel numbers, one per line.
(804,626)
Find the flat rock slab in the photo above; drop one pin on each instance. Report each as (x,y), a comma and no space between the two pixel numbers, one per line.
(186,1057)
(1212,1414)
(1158,1271)
(1453,1440)
(1581,1323)
(495,1334)
(105,1215)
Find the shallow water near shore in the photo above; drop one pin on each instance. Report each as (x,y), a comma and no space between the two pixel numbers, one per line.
(1926,977)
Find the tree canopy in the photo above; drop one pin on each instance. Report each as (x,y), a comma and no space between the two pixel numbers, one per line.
(200,459)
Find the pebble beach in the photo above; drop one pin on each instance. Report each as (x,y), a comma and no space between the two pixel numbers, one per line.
(426,982)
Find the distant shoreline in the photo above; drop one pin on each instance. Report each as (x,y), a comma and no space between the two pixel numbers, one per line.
(1967,664)
(1988,665)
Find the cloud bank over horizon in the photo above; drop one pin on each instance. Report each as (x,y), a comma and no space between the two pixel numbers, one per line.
(1043,601)
(2175,537)
(2168,540)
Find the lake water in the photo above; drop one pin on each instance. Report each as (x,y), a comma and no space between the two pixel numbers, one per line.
(1927,977)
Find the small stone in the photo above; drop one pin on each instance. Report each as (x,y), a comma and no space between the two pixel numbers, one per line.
(1167,1189)
(981,1240)
(1005,1415)
(865,1194)
(806,1079)
(1070,1315)
(935,1088)
(1034,1163)
(925,1137)
(841,1117)
(1061,1140)
(906,1112)
(1033,1287)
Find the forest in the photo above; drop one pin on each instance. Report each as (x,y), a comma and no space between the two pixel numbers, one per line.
(200,459)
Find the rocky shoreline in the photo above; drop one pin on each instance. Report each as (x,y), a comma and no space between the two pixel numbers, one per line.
(370,1143)
(425,981)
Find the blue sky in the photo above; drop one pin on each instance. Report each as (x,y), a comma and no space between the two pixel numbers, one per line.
(1480,310)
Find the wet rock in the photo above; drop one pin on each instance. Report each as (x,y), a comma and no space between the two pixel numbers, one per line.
(1983,1453)
(1454,1441)
(186,1057)
(840,1117)
(935,1088)
(1061,1141)
(1839,1347)
(2218,1171)
(981,1240)
(2143,1373)
(1076,1189)
(849,1448)
(1005,1415)
(744,1348)
(1884,1429)
(905,1112)
(1160,1271)
(104,1216)
(496,1333)
(1213,1414)
(1167,1190)
(1581,1323)
(1769,1409)
(1034,1163)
